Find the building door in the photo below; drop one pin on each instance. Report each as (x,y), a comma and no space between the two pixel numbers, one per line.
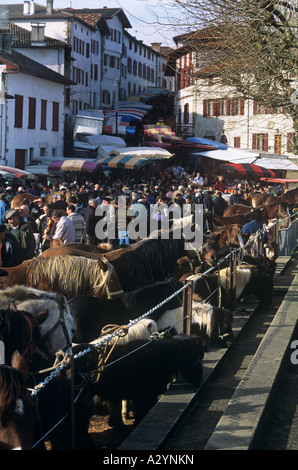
(20,159)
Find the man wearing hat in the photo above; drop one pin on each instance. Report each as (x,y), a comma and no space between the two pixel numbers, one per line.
(10,252)
(21,231)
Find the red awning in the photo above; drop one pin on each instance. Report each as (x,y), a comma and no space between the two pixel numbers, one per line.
(247,170)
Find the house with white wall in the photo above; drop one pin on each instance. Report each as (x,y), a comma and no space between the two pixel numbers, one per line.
(32,107)
(207,108)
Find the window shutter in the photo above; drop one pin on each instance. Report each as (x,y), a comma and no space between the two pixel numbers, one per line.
(255,107)
(254,141)
(18,117)
(32,113)
(55,122)
(43,115)
(242,106)
(205,108)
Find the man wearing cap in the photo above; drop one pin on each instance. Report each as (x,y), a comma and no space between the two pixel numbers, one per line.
(21,231)
(10,252)
(64,229)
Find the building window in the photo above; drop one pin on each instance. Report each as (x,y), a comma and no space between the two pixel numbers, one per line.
(277,144)
(32,113)
(260,142)
(18,111)
(55,121)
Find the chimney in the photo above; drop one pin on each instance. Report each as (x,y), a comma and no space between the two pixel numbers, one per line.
(5,41)
(37,34)
(156,46)
(32,7)
(49,7)
(26,9)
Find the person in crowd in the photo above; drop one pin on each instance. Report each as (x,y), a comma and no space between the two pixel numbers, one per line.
(11,253)
(234,198)
(59,202)
(220,184)
(22,231)
(9,195)
(46,227)
(90,222)
(199,180)
(254,225)
(25,213)
(219,204)
(3,207)
(78,222)
(65,230)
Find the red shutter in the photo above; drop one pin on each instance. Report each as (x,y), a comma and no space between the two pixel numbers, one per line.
(228,107)
(18,110)
(32,113)
(43,115)
(254,141)
(55,122)
(242,106)
(205,108)
(255,107)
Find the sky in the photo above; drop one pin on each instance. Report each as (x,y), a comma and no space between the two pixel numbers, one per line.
(150,19)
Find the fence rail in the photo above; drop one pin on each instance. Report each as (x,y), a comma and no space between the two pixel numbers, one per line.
(286,240)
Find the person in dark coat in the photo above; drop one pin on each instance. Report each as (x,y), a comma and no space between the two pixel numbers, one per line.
(10,252)
(219,205)
(22,231)
(91,220)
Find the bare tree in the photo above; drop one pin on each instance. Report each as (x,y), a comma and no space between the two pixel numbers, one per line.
(251,44)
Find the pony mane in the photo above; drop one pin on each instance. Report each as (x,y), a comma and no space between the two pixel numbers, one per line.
(19,294)
(202,313)
(72,273)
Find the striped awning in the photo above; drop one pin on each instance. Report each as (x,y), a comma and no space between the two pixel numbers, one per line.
(128,162)
(75,164)
(247,169)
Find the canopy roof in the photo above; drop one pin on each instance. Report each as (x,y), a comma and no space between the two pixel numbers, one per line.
(75,164)
(246,169)
(129,162)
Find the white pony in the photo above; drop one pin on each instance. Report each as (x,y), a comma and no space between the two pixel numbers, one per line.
(57,331)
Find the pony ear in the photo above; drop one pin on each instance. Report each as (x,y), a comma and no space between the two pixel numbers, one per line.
(12,306)
(19,363)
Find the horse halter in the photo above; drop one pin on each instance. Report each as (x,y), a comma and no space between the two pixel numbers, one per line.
(60,322)
(28,351)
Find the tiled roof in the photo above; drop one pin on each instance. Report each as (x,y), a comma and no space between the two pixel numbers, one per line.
(106,13)
(31,67)
(21,37)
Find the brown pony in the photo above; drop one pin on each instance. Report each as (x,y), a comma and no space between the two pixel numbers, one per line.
(77,249)
(261,199)
(68,275)
(229,235)
(236,209)
(274,211)
(17,201)
(18,414)
(290,197)
(240,219)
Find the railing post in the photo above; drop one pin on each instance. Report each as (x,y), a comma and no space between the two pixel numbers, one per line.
(187,307)
(233,272)
(72,403)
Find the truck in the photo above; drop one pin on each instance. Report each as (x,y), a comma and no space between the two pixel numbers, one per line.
(88,122)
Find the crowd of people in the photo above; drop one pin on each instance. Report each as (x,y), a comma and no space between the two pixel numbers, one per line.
(33,226)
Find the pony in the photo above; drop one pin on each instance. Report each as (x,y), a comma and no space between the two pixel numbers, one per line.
(92,314)
(278,210)
(147,261)
(144,372)
(57,331)
(143,329)
(18,332)
(236,209)
(18,414)
(76,249)
(261,199)
(239,219)
(68,275)
(290,197)
(249,281)
(231,235)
